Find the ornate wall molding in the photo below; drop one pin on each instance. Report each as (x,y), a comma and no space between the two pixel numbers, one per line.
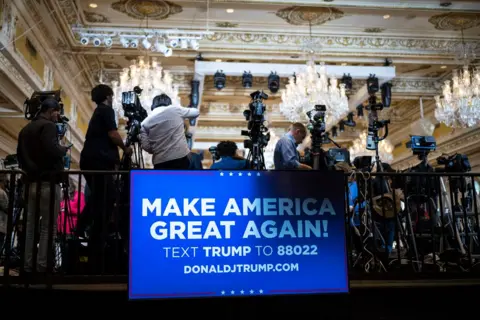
(48,78)
(12,72)
(8,20)
(139,9)
(425,86)
(314,16)
(52,49)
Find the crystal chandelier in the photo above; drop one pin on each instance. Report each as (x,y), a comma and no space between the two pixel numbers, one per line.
(150,77)
(359,149)
(460,105)
(310,88)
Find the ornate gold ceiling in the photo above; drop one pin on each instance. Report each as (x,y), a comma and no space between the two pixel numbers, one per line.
(314,16)
(456,21)
(151,9)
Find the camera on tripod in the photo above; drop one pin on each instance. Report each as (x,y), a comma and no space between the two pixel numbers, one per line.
(374,125)
(135,113)
(255,117)
(257,130)
(316,123)
(33,105)
(421,145)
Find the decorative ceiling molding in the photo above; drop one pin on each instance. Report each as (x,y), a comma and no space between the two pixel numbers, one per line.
(153,9)
(413,5)
(226,25)
(336,43)
(373,30)
(69,10)
(95,17)
(314,16)
(455,21)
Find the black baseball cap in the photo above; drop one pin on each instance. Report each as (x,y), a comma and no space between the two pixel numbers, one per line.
(50,103)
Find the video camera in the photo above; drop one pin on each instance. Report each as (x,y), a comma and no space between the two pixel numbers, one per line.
(255,117)
(421,145)
(257,130)
(420,186)
(455,163)
(135,113)
(316,124)
(33,105)
(336,155)
(10,162)
(330,158)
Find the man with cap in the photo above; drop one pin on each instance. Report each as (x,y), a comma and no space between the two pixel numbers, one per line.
(40,155)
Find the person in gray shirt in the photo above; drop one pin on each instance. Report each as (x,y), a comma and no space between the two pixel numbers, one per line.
(285,156)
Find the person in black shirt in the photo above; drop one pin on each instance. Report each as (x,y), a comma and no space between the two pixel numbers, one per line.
(41,156)
(100,152)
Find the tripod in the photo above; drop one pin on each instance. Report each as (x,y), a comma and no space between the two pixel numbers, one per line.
(256,157)
(135,161)
(18,207)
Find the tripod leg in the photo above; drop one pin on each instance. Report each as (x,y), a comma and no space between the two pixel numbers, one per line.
(413,246)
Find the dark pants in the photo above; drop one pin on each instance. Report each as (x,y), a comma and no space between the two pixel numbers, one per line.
(177,164)
(97,212)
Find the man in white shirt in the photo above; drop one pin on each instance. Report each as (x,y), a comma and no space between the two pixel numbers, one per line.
(163,135)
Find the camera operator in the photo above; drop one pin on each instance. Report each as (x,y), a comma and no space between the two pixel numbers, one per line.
(41,156)
(100,152)
(162,134)
(285,155)
(227,152)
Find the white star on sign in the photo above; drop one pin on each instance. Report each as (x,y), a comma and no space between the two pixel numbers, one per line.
(249,174)
(251,291)
(232,292)
(242,292)
(240,174)
(231,174)
(223,292)
(261,291)
(258,174)
(221,173)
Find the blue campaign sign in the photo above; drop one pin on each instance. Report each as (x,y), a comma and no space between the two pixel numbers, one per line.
(213,233)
